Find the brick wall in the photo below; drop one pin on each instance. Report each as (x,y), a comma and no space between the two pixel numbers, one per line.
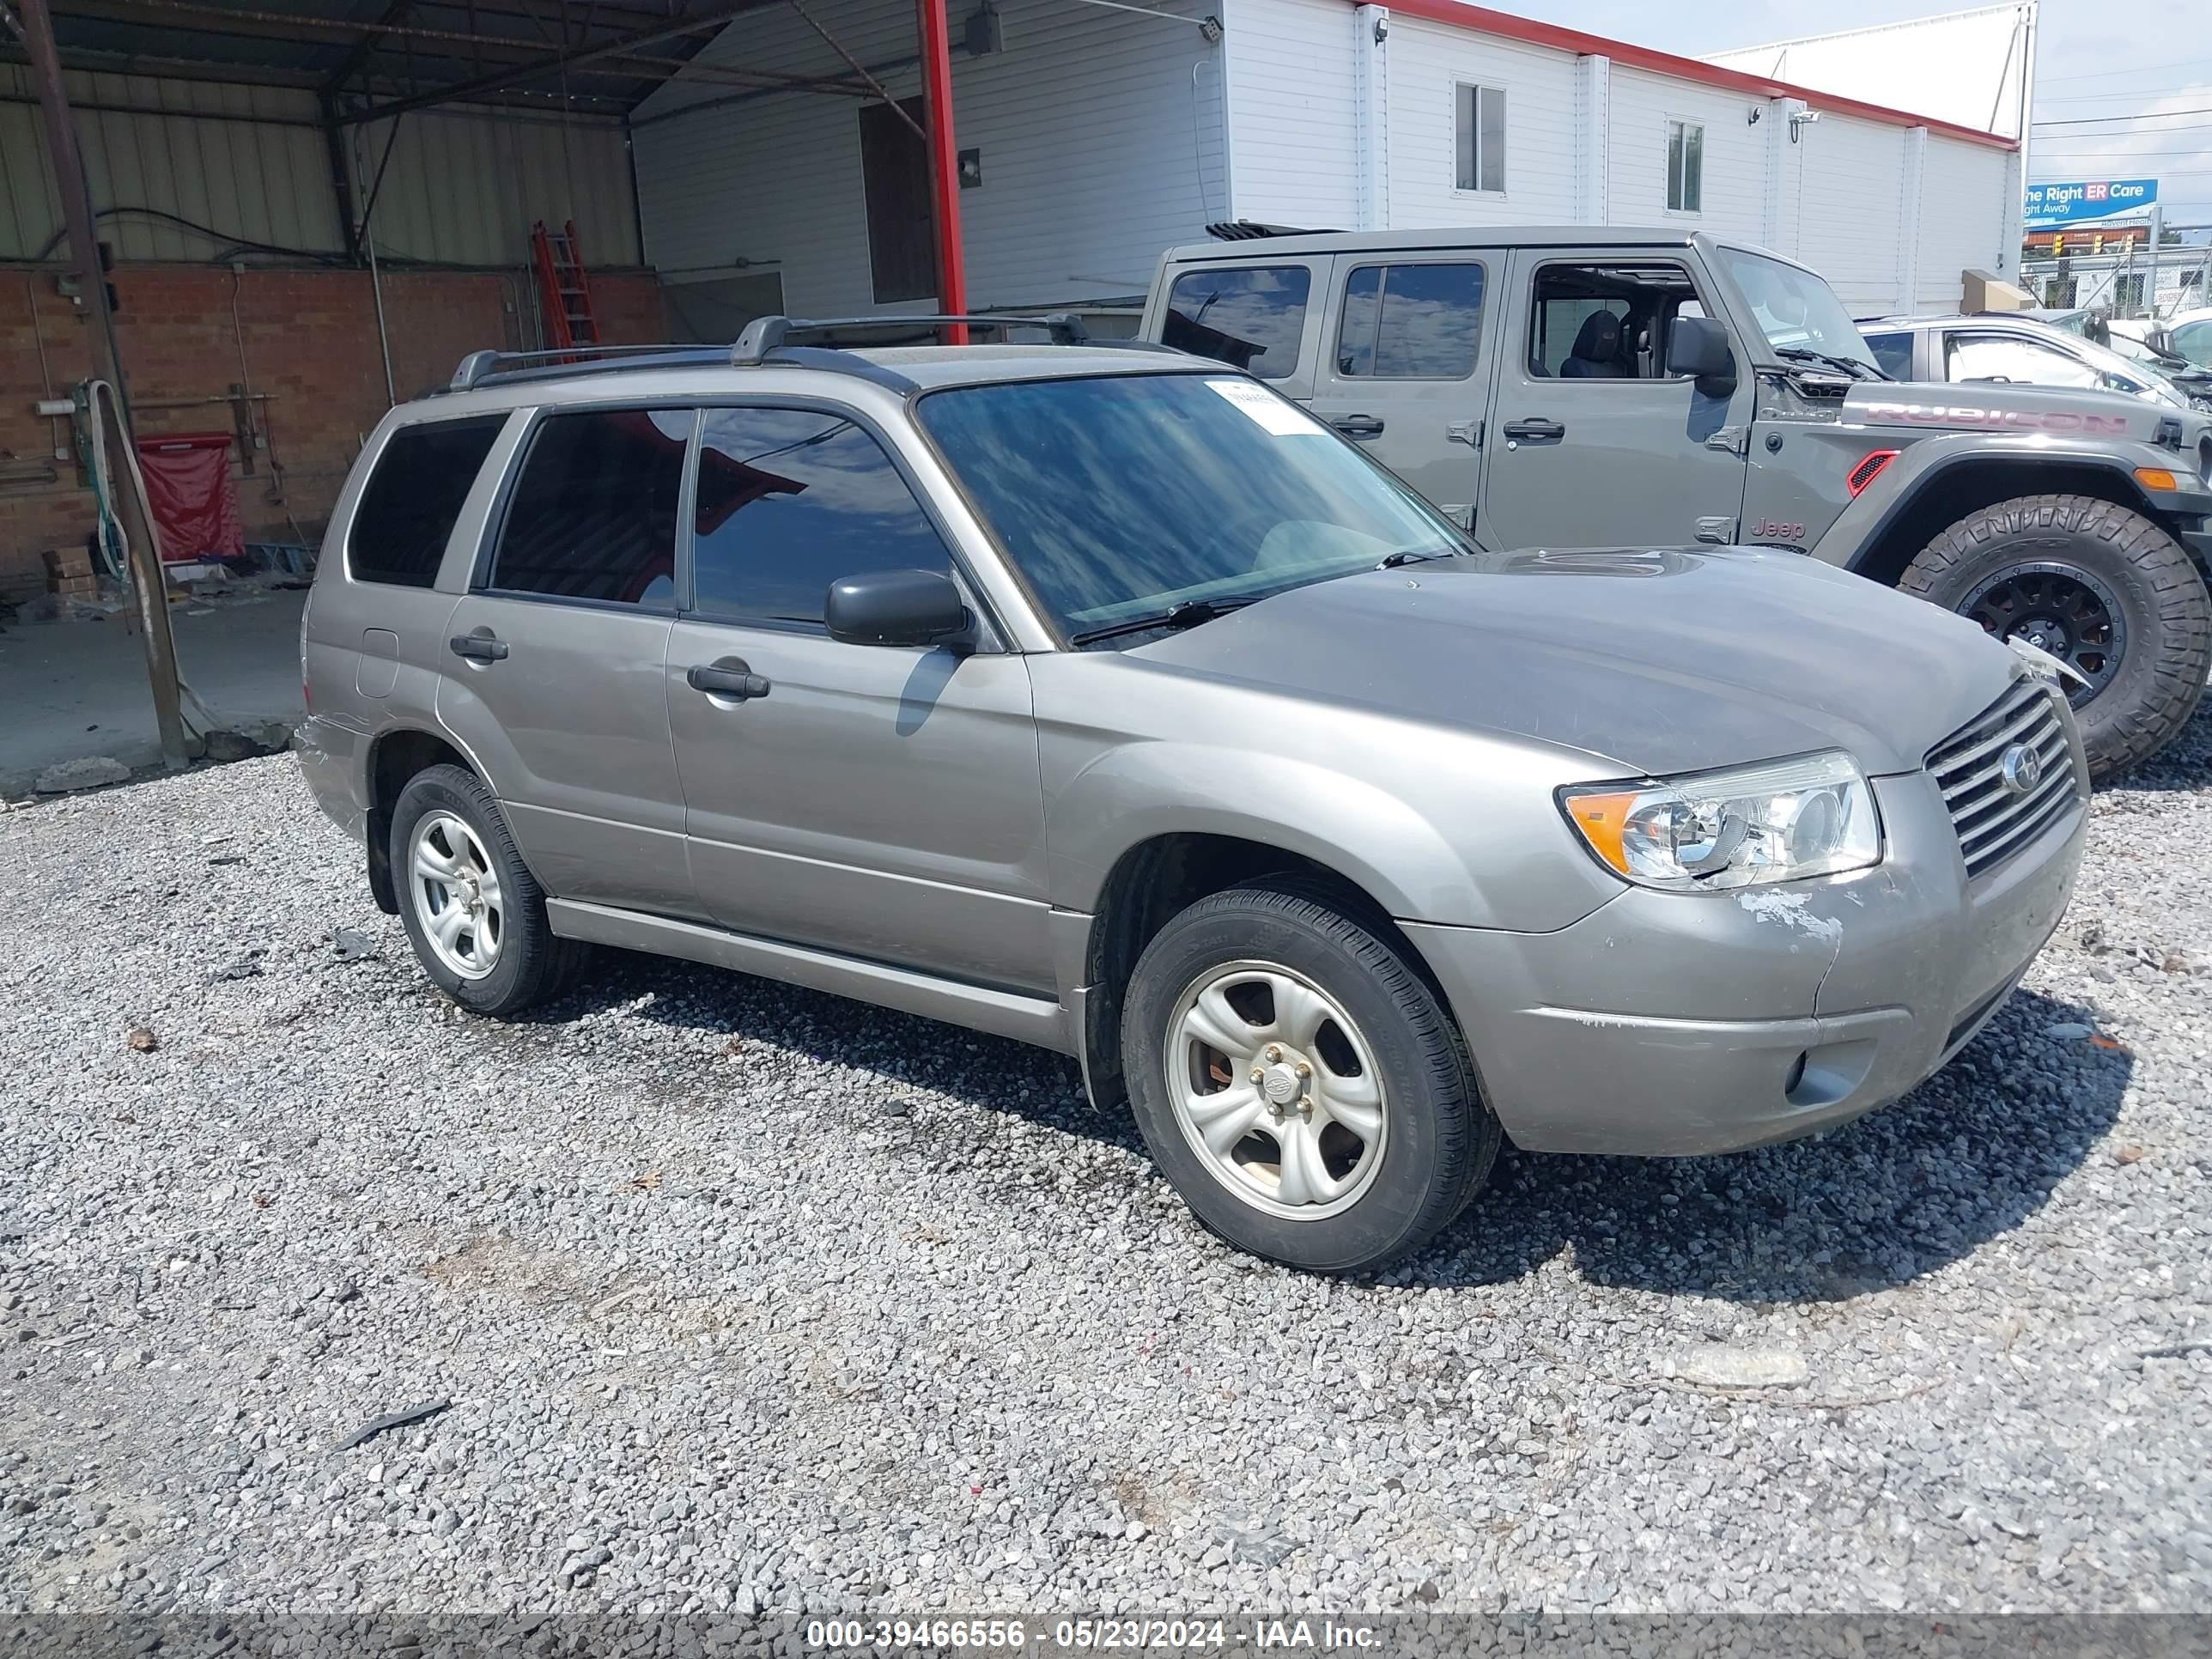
(309,339)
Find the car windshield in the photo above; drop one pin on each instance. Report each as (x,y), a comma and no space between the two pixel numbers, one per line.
(2123,375)
(1794,309)
(1125,498)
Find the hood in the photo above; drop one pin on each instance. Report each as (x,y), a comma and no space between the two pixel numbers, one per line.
(1999,406)
(1657,661)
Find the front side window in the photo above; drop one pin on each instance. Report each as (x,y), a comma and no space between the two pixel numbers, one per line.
(594,513)
(413,497)
(2194,342)
(1799,315)
(1999,357)
(1607,320)
(1685,167)
(1893,352)
(790,500)
(1479,138)
(1250,317)
(1120,497)
(1410,322)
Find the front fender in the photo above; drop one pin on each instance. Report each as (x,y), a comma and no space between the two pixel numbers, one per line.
(1513,868)
(1925,464)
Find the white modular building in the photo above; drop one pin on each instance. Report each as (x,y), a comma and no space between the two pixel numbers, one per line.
(1090,134)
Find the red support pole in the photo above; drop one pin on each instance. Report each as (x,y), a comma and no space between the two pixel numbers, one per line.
(936,34)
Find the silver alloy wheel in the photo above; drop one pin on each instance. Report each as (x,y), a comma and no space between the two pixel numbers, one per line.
(457,895)
(1276,1090)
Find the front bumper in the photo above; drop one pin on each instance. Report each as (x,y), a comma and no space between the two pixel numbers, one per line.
(1674,1024)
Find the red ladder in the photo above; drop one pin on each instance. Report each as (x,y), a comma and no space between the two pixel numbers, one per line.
(564,292)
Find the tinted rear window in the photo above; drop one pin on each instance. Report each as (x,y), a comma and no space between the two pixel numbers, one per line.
(413,498)
(1248,316)
(1893,352)
(1410,322)
(595,512)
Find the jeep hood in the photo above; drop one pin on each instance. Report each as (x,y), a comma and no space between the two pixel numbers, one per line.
(1652,661)
(1998,406)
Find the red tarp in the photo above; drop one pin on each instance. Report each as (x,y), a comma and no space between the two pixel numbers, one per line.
(195,502)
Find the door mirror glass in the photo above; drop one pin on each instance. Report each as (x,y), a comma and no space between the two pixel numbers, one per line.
(1699,347)
(895,607)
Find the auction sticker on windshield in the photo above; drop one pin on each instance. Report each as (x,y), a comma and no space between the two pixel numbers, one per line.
(1270,412)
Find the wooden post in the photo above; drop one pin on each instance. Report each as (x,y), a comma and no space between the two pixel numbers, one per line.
(146,578)
(936,33)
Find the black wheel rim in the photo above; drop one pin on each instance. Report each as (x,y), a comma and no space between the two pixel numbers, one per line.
(2060,608)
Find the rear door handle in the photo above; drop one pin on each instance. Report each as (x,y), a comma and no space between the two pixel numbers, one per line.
(478,648)
(730,678)
(1357,426)
(1535,431)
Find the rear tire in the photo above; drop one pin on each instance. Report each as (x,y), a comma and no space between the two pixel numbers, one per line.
(474,913)
(1366,1132)
(2114,565)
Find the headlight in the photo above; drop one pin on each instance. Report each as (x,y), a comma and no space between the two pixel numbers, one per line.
(1778,822)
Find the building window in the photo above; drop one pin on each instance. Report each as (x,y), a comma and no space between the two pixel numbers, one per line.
(1481,138)
(1685,167)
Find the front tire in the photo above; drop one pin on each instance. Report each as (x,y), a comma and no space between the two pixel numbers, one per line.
(1300,1083)
(2097,585)
(474,913)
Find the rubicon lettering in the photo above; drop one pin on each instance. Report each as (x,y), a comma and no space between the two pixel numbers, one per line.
(2024,420)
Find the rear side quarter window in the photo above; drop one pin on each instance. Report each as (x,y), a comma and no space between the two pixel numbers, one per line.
(1250,317)
(413,499)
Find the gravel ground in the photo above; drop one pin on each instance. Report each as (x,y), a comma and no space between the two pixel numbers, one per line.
(747,1297)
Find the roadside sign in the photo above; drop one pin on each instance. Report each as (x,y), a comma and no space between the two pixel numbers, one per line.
(2097,198)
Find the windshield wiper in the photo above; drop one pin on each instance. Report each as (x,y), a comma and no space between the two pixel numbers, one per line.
(1850,366)
(1176,617)
(1405,556)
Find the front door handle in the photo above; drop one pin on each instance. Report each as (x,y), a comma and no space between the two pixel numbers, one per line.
(478,648)
(1535,431)
(1357,426)
(730,678)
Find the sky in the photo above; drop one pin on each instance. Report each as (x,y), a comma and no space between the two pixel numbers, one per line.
(2149,59)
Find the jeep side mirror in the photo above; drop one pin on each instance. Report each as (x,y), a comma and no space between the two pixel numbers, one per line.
(1699,347)
(896,607)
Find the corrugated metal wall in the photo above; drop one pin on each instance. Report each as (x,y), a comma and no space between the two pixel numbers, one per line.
(250,165)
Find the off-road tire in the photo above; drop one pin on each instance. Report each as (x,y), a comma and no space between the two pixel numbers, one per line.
(534,966)
(2162,597)
(1442,1138)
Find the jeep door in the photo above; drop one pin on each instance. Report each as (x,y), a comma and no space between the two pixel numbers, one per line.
(1591,442)
(1410,344)
(877,801)
(554,659)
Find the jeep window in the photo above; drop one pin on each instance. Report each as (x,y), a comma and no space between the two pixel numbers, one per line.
(1243,495)
(594,513)
(1417,322)
(791,500)
(1893,352)
(2006,357)
(1481,138)
(1685,167)
(413,498)
(1794,309)
(1607,320)
(1249,317)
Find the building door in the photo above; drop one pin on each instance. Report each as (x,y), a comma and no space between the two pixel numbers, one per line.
(894,176)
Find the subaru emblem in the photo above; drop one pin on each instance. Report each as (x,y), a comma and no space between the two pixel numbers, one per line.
(2021,768)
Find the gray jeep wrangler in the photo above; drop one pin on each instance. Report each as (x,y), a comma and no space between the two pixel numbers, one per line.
(1583,387)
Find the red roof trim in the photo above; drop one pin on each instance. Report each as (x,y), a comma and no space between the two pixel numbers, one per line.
(1528,31)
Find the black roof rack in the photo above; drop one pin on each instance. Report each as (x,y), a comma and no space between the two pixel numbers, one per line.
(1251,230)
(479,366)
(764,334)
(766,339)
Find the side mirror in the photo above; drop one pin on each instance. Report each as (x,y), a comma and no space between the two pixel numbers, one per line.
(1699,347)
(896,607)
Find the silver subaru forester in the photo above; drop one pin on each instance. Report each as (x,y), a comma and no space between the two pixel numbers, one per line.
(1098,697)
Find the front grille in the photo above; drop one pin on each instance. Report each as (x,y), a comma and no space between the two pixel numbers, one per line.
(1993,822)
